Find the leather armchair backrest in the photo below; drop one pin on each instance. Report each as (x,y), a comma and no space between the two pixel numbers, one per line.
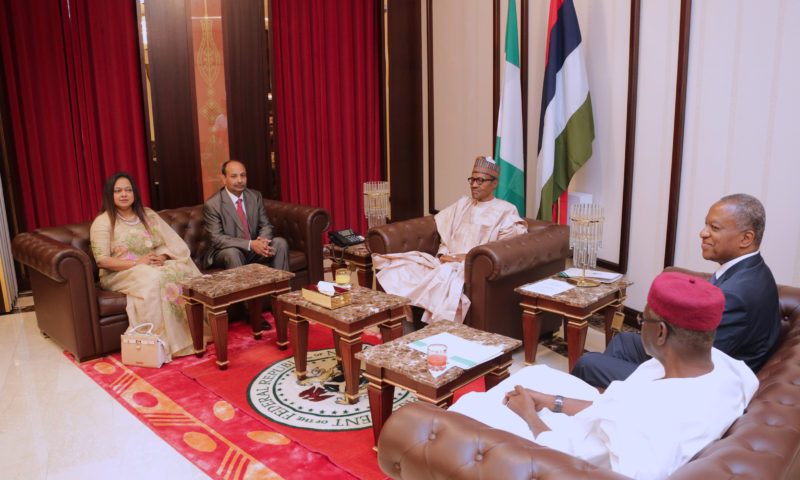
(186,221)
(188,224)
(75,234)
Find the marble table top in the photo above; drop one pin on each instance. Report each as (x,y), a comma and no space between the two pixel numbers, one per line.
(359,249)
(235,279)
(365,302)
(397,356)
(580,297)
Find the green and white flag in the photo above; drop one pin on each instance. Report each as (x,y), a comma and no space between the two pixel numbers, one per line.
(508,147)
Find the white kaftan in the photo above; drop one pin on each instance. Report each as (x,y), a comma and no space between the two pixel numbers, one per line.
(439,287)
(645,427)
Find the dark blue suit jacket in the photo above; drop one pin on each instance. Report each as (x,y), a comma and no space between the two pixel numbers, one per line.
(751,321)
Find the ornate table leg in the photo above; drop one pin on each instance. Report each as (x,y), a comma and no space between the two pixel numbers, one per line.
(381,395)
(445,402)
(254,309)
(299,328)
(609,312)
(351,367)
(393,328)
(218,318)
(365,275)
(531,328)
(280,323)
(337,348)
(194,314)
(576,339)
(499,373)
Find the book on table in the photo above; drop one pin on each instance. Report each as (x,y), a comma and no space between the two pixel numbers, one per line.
(337,298)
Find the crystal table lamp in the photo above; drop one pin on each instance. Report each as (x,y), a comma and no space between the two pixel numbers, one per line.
(585,238)
(376,203)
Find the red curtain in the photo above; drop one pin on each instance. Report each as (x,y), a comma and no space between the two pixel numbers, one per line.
(71,68)
(327,103)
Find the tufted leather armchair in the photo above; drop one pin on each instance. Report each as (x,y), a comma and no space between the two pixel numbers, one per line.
(87,321)
(491,271)
(421,441)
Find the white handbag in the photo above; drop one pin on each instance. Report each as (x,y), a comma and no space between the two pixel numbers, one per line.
(143,349)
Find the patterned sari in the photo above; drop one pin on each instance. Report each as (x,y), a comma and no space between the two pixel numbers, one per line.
(154,295)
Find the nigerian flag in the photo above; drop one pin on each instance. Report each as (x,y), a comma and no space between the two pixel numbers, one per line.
(508,147)
(566,128)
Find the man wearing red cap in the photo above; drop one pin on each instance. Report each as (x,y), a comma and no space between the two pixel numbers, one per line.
(650,424)
(437,283)
(750,322)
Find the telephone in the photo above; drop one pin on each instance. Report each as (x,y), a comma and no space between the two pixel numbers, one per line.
(345,238)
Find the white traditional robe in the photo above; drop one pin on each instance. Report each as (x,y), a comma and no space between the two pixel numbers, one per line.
(645,427)
(439,287)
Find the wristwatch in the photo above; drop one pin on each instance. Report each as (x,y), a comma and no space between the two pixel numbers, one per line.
(558,404)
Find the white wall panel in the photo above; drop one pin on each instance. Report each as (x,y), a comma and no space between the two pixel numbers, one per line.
(658,44)
(462,89)
(742,110)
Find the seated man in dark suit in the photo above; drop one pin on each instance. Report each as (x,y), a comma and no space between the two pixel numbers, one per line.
(750,322)
(237,226)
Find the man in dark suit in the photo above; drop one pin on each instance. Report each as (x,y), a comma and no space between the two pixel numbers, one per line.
(750,322)
(237,226)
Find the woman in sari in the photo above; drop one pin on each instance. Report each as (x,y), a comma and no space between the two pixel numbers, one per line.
(139,254)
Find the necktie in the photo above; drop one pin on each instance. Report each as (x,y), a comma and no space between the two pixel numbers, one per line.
(713,280)
(243,218)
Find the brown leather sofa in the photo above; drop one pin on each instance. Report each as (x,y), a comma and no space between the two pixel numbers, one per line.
(491,271)
(421,441)
(88,321)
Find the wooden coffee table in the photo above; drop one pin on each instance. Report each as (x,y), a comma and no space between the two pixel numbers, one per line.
(218,290)
(357,256)
(395,364)
(576,305)
(368,309)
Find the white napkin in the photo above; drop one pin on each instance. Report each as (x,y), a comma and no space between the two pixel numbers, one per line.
(326,287)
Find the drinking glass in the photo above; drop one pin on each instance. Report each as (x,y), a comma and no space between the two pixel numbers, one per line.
(437,357)
(342,277)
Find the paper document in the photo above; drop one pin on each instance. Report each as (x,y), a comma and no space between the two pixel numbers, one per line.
(605,277)
(548,286)
(460,352)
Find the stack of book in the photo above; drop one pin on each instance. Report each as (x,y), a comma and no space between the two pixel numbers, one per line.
(336,298)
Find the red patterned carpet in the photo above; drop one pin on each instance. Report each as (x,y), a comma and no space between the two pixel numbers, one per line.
(206,414)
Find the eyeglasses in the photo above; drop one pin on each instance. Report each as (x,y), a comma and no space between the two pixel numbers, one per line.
(479,180)
(640,319)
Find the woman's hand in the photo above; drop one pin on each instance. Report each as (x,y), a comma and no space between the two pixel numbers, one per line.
(151,259)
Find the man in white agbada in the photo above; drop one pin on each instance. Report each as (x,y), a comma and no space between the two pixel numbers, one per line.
(437,283)
(653,422)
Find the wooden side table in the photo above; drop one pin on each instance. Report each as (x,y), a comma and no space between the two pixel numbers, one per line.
(357,256)
(576,305)
(369,308)
(394,364)
(218,290)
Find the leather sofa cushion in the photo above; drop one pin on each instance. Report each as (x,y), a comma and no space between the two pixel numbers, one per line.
(110,303)
(297,260)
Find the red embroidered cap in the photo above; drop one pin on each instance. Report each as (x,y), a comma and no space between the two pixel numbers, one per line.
(686,301)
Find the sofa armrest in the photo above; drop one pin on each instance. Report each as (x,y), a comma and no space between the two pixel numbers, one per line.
(423,441)
(302,226)
(51,257)
(64,291)
(510,256)
(416,234)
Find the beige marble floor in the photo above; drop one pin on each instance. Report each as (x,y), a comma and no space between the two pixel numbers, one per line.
(57,424)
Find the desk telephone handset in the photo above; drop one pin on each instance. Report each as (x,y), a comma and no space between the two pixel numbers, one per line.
(345,238)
